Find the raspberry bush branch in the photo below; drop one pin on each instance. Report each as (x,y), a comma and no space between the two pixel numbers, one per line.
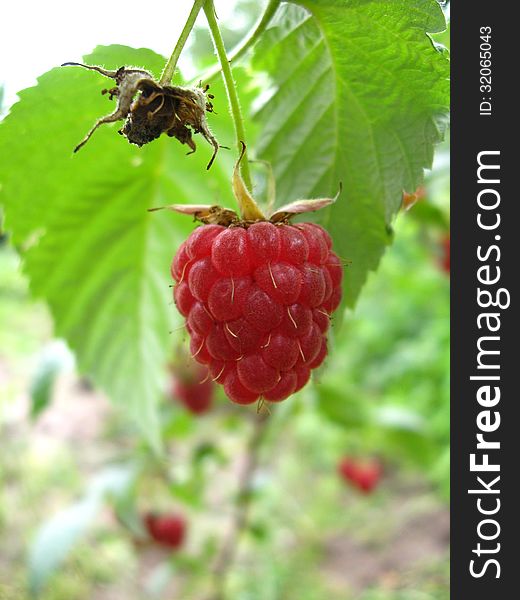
(249,40)
(169,69)
(229,82)
(227,553)
(249,210)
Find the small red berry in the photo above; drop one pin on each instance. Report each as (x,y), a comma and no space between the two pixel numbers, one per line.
(363,475)
(168,530)
(258,300)
(193,387)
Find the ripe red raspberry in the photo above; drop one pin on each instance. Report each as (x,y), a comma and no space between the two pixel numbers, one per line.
(167,530)
(193,387)
(257,301)
(364,475)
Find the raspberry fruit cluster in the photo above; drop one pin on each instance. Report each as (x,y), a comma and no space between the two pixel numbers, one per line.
(257,299)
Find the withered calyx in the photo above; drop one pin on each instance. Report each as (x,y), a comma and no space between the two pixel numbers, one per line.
(151,109)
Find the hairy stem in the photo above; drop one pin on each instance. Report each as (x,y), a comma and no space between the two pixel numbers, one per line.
(228,550)
(169,69)
(231,90)
(249,40)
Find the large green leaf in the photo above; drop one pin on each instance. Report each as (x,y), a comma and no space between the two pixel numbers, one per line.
(358,95)
(90,248)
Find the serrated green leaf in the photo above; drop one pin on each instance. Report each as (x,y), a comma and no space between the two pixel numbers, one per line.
(359,95)
(89,246)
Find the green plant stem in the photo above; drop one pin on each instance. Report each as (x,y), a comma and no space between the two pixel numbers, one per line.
(226,555)
(169,69)
(249,41)
(231,90)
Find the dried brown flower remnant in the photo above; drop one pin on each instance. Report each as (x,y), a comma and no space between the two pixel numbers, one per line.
(151,109)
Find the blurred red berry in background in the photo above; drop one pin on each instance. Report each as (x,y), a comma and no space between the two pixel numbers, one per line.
(362,474)
(193,387)
(166,529)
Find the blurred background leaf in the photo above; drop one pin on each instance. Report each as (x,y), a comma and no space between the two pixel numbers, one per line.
(56,538)
(55,359)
